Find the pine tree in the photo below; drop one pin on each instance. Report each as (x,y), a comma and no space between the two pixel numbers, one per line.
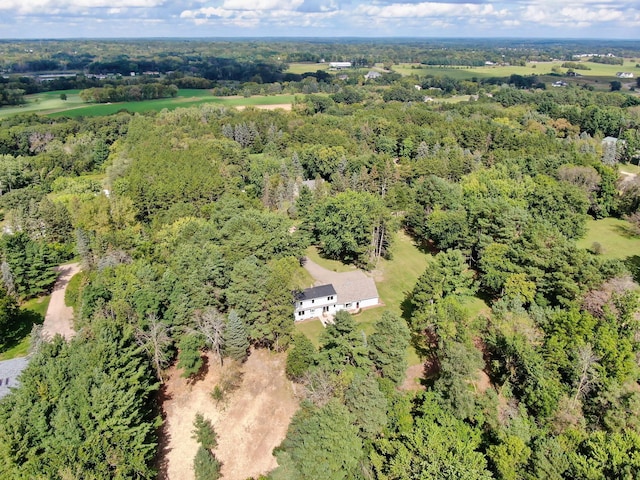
(236,343)
(388,346)
(300,357)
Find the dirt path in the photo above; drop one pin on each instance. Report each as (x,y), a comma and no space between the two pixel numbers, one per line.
(59,317)
(250,424)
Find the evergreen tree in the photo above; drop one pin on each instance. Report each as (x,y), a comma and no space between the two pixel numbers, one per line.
(190,356)
(205,465)
(300,357)
(322,443)
(388,346)
(236,343)
(204,433)
(367,404)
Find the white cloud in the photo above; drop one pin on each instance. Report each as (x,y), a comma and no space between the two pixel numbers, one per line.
(262,4)
(27,7)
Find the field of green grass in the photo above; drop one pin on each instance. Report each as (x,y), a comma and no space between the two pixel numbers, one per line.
(32,312)
(615,237)
(303,67)
(49,103)
(540,68)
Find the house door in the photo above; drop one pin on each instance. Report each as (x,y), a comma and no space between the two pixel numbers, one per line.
(357,304)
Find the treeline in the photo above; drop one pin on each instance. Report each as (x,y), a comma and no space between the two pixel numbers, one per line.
(129,93)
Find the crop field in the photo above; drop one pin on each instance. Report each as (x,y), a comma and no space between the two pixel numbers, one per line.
(50,103)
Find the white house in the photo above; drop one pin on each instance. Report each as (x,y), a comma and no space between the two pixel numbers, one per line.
(372,75)
(315,302)
(339,65)
(352,291)
(624,75)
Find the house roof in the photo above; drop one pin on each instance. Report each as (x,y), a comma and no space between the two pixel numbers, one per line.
(316,292)
(9,371)
(355,287)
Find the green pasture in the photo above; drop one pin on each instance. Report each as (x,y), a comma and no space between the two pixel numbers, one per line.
(539,68)
(45,102)
(303,67)
(49,103)
(31,312)
(615,236)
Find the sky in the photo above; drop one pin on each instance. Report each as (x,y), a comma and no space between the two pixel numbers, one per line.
(619,19)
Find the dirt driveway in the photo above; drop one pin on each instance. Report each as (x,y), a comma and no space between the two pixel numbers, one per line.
(59,317)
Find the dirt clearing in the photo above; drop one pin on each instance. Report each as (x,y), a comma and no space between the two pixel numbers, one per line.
(250,423)
(283,106)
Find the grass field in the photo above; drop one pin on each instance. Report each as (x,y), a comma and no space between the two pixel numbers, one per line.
(49,103)
(540,68)
(32,312)
(614,235)
(300,68)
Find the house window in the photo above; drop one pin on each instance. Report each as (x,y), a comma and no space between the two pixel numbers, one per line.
(348,305)
(330,297)
(301,303)
(301,313)
(313,301)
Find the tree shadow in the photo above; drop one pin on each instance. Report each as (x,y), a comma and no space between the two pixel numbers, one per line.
(202,373)
(633,264)
(20,328)
(164,438)
(627,231)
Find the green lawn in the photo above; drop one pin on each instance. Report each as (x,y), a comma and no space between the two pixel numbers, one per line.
(32,312)
(312,329)
(334,265)
(615,237)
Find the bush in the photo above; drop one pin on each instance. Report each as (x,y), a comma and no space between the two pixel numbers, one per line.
(72,293)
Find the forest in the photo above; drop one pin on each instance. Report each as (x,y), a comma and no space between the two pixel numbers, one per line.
(191,226)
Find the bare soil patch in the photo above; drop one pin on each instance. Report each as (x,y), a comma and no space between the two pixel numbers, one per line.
(283,106)
(412,378)
(250,422)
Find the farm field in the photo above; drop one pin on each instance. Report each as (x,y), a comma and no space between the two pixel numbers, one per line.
(304,67)
(49,103)
(539,68)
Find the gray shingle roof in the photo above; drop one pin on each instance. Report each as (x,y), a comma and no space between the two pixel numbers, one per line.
(9,371)
(355,287)
(316,292)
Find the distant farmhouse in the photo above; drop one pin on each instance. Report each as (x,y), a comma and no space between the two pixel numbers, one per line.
(352,291)
(9,371)
(624,75)
(559,83)
(339,65)
(372,75)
